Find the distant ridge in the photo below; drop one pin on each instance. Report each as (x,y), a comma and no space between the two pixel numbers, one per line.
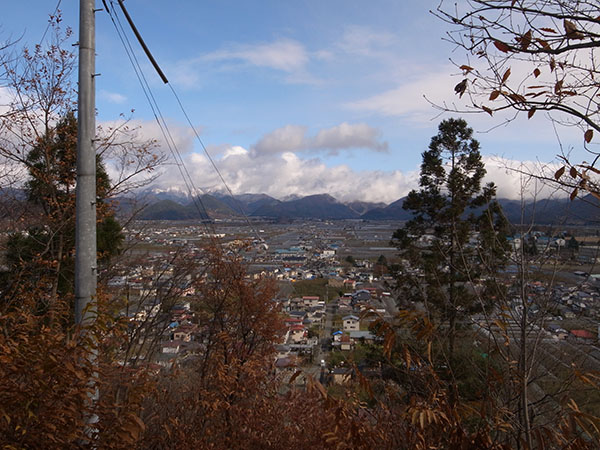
(393,211)
(322,206)
(246,203)
(175,205)
(206,206)
(364,207)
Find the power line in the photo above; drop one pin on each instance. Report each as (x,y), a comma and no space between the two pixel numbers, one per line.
(164,79)
(163,126)
(52,16)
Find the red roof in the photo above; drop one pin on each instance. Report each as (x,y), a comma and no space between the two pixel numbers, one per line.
(293,321)
(582,334)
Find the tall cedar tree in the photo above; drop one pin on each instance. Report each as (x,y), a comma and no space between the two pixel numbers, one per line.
(46,250)
(456,236)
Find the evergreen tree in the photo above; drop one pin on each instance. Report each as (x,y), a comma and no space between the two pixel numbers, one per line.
(457,235)
(529,247)
(573,244)
(45,251)
(381,266)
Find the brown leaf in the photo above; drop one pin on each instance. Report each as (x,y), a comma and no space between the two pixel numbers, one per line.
(293,377)
(549,30)
(569,26)
(526,40)
(530,113)
(487,110)
(494,95)
(589,134)
(573,194)
(461,87)
(552,65)
(593,169)
(573,172)
(559,173)
(536,72)
(466,68)
(517,98)
(536,94)
(571,30)
(558,86)
(502,46)
(543,43)
(321,389)
(140,423)
(506,75)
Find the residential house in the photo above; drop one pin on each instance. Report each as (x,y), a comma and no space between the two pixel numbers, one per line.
(310,301)
(351,323)
(346,344)
(349,284)
(297,334)
(362,295)
(171,347)
(363,336)
(341,375)
(337,336)
(583,335)
(184,332)
(293,321)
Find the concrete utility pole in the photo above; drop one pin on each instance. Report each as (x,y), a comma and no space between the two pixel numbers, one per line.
(85,207)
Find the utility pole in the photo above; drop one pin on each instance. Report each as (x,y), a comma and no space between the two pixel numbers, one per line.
(85,206)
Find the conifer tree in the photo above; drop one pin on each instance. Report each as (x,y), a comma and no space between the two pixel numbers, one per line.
(456,237)
(46,250)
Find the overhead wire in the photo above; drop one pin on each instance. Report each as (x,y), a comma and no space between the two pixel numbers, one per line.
(193,191)
(188,181)
(196,134)
(52,16)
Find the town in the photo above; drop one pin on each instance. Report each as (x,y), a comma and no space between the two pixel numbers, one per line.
(335,280)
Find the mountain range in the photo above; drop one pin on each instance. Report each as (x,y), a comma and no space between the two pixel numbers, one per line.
(177,206)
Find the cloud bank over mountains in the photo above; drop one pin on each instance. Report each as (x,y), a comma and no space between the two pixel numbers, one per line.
(288,161)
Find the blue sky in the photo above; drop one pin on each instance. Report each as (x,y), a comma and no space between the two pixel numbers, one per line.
(294,98)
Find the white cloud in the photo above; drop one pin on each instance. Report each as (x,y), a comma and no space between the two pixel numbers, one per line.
(345,135)
(407,100)
(289,138)
(520,179)
(295,138)
(278,170)
(285,54)
(236,150)
(364,41)
(112,97)
(287,174)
